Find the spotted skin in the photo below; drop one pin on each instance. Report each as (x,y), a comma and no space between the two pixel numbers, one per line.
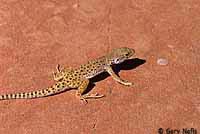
(78,78)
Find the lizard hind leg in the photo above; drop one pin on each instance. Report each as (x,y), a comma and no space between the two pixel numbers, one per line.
(81,89)
(58,75)
(61,73)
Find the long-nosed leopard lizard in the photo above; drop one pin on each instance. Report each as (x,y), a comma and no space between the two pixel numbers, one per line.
(68,78)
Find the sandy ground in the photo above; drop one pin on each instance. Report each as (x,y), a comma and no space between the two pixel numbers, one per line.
(36,35)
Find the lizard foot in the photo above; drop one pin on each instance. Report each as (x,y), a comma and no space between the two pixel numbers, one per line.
(126,83)
(91,96)
(58,68)
(85,97)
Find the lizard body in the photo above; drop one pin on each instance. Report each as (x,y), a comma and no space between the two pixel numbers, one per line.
(68,78)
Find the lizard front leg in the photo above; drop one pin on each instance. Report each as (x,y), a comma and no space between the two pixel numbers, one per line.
(81,89)
(117,78)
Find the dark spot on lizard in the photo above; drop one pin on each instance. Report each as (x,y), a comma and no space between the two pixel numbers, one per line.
(23,94)
(49,91)
(14,95)
(58,86)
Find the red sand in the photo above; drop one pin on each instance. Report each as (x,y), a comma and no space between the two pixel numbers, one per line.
(35,35)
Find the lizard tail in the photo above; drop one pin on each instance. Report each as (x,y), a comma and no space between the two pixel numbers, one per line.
(55,89)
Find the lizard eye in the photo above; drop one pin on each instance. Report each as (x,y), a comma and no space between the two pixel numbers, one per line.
(116,61)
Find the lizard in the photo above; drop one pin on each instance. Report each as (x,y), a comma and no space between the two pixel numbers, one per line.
(78,78)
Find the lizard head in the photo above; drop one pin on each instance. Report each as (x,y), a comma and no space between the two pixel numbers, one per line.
(118,55)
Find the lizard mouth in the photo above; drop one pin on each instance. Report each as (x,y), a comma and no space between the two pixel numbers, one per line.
(132,57)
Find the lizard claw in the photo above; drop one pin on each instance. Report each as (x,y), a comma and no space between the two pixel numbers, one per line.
(127,83)
(58,68)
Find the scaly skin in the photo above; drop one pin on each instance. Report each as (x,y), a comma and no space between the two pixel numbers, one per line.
(68,78)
